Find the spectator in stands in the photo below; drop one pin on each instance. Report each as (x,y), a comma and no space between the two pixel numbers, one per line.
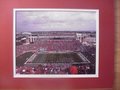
(73,70)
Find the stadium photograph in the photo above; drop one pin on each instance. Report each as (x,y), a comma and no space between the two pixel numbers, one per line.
(55,43)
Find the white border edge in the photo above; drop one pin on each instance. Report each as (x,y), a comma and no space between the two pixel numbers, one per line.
(96,75)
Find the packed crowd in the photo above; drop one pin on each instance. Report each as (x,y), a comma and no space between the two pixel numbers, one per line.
(49,45)
(56,69)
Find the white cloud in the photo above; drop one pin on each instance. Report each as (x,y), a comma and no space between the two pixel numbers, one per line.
(54,20)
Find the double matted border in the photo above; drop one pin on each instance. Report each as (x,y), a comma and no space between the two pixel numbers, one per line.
(56,76)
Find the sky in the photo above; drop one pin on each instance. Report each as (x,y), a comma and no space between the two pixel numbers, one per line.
(51,20)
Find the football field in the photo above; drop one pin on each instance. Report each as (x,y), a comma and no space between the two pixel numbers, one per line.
(70,57)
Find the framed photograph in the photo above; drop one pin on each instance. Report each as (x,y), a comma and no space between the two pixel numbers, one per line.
(56,44)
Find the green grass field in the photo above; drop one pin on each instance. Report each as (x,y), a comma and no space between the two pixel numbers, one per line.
(20,60)
(57,58)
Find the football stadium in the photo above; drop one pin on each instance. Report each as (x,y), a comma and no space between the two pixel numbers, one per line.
(55,52)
